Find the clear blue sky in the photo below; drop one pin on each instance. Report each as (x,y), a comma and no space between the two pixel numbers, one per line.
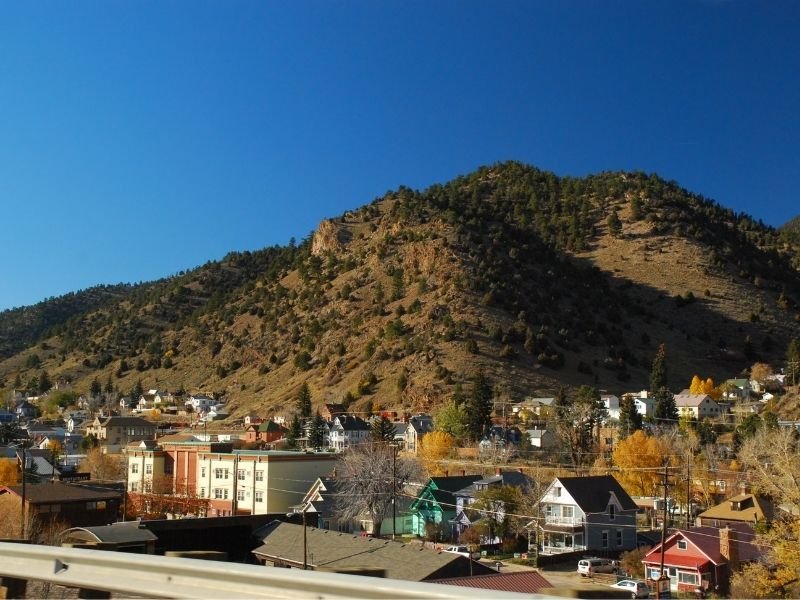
(141,138)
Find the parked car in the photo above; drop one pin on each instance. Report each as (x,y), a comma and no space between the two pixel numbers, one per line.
(638,589)
(463,551)
(589,566)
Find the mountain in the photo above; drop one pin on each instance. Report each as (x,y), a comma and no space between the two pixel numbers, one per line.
(537,280)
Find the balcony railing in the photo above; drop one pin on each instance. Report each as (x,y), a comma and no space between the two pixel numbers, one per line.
(553,520)
(150,576)
(562,549)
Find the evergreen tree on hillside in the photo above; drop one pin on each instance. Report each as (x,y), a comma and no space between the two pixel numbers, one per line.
(658,372)
(382,430)
(295,432)
(793,360)
(304,402)
(665,410)
(479,406)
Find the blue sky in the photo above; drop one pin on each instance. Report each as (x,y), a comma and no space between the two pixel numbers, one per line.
(141,138)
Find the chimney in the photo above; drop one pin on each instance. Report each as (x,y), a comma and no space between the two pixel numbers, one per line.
(498,471)
(728,548)
(447,473)
(463,472)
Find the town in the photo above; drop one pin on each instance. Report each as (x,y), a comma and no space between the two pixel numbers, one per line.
(646,492)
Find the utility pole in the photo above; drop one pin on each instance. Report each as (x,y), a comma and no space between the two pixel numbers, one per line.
(22,521)
(305,540)
(660,592)
(688,489)
(394,490)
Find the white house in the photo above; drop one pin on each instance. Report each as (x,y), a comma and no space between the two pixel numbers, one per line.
(348,430)
(201,402)
(611,403)
(699,406)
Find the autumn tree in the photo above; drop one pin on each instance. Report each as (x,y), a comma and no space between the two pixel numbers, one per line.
(641,459)
(772,460)
(103,466)
(9,471)
(435,447)
(498,505)
(760,372)
(371,476)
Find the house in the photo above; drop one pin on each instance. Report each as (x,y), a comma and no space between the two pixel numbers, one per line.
(73,505)
(25,410)
(330,411)
(611,402)
(645,404)
(542,439)
(321,500)
(253,419)
(736,389)
(418,427)
(435,505)
(126,403)
(348,430)
(265,432)
(533,406)
(592,513)
(702,558)
(200,403)
(466,497)
(114,433)
(699,406)
(283,546)
(743,508)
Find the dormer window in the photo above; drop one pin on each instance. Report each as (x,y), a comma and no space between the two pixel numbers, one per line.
(557,491)
(682,545)
(612,511)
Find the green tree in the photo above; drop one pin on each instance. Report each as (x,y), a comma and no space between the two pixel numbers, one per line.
(665,410)
(109,388)
(793,360)
(479,406)
(95,388)
(576,421)
(304,402)
(452,419)
(136,391)
(630,419)
(658,372)
(44,382)
(295,432)
(382,430)
(316,436)
(614,223)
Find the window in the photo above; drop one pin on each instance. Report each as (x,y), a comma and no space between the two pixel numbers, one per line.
(221,493)
(619,537)
(240,495)
(240,474)
(682,545)
(612,512)
(259,496)
(655,573)
(260,475)
(690,578)
(557,492)
(202,492)
(148,469)
(202,471)
(567,511)
(221,473)
(134,468)
(134,486)
(604,540)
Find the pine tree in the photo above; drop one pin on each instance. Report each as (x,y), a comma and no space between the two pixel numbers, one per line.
(666,411)
(793,359)
(316,436)
(630,420)
(658,372)
(382,430)
(304,402)
(95,388)
(479,406)
(44,382)
(294,433)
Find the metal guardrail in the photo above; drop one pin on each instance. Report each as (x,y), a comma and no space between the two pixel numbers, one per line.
(151,576)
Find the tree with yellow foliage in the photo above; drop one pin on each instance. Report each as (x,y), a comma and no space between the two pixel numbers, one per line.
(641,459)
(707,387)
(696,387)
(435,447)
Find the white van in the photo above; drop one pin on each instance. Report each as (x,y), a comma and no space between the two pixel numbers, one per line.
(589,566)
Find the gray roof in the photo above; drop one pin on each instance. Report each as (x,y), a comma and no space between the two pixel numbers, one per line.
(592,493)
(118,533)
(334,550)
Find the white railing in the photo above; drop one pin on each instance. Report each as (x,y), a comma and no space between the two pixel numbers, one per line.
(150,576)
(553,520)
(561,549)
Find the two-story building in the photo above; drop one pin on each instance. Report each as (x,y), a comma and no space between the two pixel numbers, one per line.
(417,428)
(114,433)
(348,430)
(699,406)
(586,514)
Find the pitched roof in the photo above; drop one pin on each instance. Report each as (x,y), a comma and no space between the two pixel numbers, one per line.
(525,582)
(56,491)
(126,422)
(683,399)
(706,539)
(352,423)
(592,492)
(744,507)
(334,550)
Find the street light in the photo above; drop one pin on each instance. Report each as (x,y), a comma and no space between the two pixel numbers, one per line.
(395,448)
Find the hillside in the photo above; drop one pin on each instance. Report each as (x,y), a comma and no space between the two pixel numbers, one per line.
(538,280)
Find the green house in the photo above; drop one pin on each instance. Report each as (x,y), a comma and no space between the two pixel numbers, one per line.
(436,503)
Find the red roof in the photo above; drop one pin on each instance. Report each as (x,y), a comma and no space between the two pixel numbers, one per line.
(671,560)
(526,582)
